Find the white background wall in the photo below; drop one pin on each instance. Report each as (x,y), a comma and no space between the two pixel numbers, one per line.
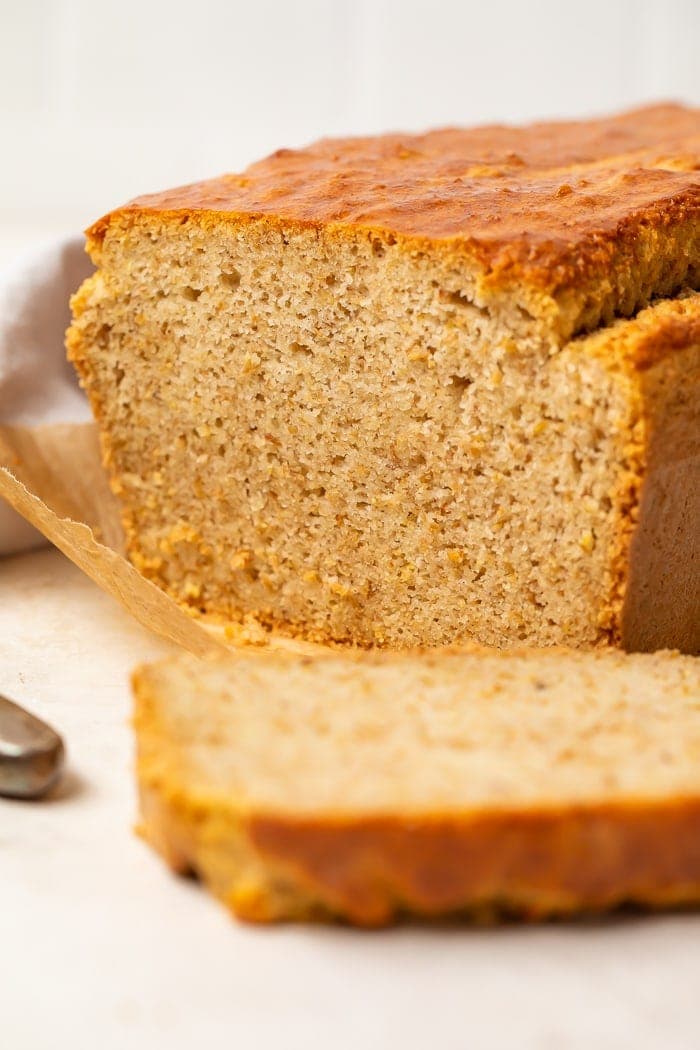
(100,101)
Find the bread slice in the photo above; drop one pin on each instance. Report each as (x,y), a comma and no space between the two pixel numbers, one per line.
(350,393)
(366,787)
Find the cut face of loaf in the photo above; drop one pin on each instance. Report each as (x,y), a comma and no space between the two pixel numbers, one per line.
(366,416)
(530,783)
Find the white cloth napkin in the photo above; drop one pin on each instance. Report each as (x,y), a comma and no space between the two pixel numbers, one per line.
(37,385)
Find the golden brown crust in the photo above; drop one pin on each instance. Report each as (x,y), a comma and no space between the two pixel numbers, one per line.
(678,330)
(552,205)
(370,872)
(668,327)
(533,864)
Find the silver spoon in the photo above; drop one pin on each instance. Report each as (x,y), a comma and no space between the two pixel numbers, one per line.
(31,753)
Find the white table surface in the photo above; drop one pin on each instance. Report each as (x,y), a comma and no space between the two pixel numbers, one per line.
(101,948)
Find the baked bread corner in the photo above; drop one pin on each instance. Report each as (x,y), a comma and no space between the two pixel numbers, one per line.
(415,389)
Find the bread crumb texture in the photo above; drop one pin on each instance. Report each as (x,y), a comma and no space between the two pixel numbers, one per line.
(383,423)
(368,787)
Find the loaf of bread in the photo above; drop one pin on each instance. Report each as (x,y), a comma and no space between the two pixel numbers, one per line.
(370,786)
(377,390)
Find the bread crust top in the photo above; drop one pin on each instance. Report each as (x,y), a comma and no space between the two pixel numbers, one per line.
(548,203)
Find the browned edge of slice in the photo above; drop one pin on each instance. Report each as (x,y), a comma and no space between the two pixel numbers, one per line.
(533,863)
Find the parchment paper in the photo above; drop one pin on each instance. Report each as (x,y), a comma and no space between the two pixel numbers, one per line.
(53,477)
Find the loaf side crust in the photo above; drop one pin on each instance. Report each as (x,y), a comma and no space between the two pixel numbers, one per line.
(651,344)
